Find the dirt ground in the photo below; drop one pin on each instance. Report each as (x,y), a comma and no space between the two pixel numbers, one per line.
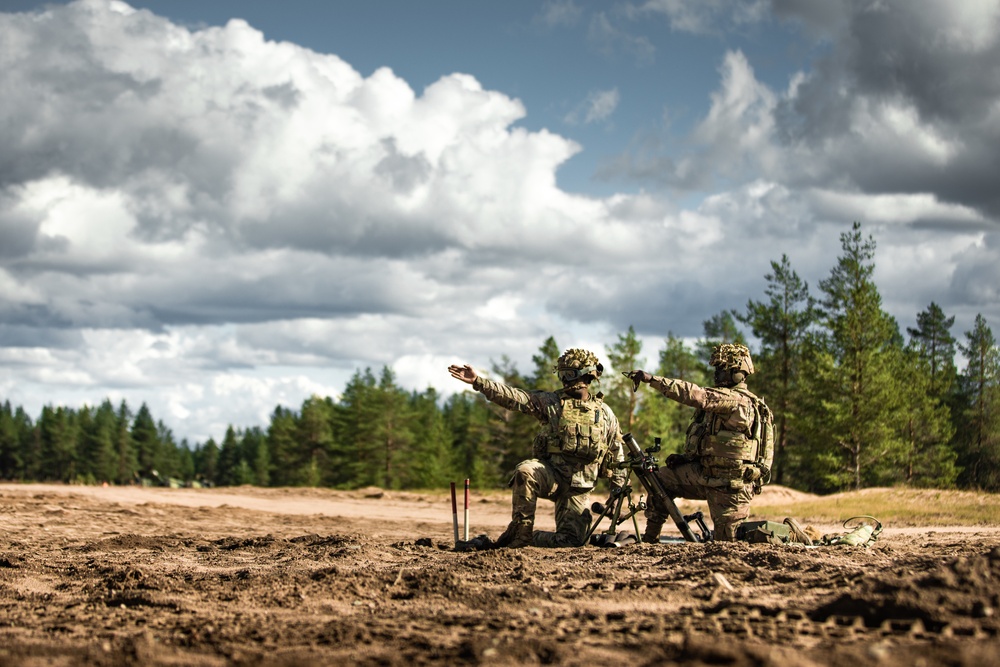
(117,576)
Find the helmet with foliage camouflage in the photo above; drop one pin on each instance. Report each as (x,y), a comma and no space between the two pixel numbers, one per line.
(732,356)
(576,363)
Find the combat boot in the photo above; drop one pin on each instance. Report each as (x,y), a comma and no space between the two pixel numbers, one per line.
(517,535)
(652,533)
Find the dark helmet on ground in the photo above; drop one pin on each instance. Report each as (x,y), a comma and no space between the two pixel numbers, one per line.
(577,363)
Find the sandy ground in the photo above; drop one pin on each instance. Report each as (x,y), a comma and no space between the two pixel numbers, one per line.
(113,576)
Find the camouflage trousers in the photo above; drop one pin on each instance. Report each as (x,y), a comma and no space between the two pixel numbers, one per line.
(728,507)
(534,479)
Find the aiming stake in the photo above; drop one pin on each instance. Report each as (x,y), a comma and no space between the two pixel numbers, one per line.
(465,522)
(454,511)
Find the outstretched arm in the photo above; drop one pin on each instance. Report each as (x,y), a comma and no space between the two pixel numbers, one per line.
(534,403)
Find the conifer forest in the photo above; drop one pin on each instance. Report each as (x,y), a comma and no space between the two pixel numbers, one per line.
(858,402)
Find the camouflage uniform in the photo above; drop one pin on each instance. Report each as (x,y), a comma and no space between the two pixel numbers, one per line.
(561,474)
(720,462)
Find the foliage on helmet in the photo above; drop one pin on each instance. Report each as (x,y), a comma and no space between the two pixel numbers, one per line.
(732,356)
(576,357)
(577,362)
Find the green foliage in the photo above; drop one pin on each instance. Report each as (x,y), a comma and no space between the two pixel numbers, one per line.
(511,432)
(544,378)
(623,356)
(979,427)
(926,458)
(468,422)
(719,329)
(660,417)
(852,386)
(11,456)
(935,345)
(782,325)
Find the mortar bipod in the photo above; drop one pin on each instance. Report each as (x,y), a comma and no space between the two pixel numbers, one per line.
(613,511)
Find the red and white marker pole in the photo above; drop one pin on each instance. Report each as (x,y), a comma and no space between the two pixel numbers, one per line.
(465,523)
(454,511)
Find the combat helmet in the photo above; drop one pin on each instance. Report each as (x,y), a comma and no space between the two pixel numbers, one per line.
(732,356)
(576,363)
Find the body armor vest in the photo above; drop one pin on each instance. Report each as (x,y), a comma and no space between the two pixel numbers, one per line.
(576,429)
(706,436)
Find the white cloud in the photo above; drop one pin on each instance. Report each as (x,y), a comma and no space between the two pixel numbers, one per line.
(598,107)
(556,13)
(706,16)
(215,224)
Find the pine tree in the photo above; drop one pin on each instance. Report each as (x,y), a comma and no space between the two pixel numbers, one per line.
(544,377)
(168,454)
(229,459)
(256,455)
(206,462)
(358,456)
(317,442)
(58,436)
(392,429)
(661,416)
(10,445)
(719,329)
(468,418)
(781,324)
(429,463)
(512,432)
(126,461)
(623,356)
(979,436)
(855,406)
(98,442)
(933,340)
(146,440)
(282,444)
(29,446)
(186,469)
(927,460)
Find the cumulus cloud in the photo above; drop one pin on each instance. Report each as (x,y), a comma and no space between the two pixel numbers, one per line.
(215,223)
(897,104)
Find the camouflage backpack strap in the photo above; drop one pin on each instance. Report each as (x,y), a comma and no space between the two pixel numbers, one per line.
(762,432)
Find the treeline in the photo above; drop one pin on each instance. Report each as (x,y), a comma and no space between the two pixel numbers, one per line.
(857,403)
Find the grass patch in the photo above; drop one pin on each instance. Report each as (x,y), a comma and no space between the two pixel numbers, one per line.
(893,506)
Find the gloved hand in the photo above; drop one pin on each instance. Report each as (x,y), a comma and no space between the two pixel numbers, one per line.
(637,376)
(675,460)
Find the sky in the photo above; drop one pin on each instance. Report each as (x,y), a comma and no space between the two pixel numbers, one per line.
(218,208)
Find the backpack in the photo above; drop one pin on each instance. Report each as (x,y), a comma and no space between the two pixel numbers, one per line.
(762,431)
(763,532)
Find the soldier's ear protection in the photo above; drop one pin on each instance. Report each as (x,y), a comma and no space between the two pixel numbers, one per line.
(600,369)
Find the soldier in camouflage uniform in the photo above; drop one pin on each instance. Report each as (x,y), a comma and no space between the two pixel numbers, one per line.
(729,446)
(579,440)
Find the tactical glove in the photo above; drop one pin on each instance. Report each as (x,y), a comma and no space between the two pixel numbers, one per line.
(675,460)
(637,377)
